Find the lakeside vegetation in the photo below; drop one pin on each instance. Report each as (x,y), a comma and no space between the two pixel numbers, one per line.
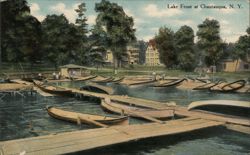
(57,41)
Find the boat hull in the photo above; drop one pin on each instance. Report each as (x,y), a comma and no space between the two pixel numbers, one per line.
(74,117)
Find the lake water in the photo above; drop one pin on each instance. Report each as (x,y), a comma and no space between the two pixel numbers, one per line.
(27,117)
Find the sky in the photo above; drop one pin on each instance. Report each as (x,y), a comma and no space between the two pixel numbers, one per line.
(150,15)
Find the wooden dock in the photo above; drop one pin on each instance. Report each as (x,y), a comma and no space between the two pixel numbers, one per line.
(76,141)
(179,110)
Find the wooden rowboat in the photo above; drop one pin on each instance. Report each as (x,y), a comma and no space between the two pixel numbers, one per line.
(171,83)
(52,89)
(86,118)
(104,80)
(233,86)
(93,87)
(117,80)
(207,86)
(230,107)
(136,111)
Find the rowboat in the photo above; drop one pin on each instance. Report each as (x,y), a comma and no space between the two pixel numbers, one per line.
(136,111)
(171,83)
(136,83)
(117,80)
(233,86)
(228,87)
(93,87)
(52,89)
(207,86)
(76,117)
(103,80)
(232,107)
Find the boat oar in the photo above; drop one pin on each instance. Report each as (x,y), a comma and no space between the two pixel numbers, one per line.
(91,121)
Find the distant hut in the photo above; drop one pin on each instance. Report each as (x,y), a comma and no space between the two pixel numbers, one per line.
(230,65)
(72,70)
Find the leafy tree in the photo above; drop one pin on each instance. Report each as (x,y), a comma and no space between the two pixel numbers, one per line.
(142,53)
(209,41)
(82,28)
(243,46)
(184,44)
(20,32)
(165,44)
(60,40)
(117,26)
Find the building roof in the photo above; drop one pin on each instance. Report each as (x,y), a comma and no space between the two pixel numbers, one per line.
(73,66)
(152,43)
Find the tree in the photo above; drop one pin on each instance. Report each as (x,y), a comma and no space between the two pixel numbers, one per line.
(184,44)
(165,44)
(82,28)
(61,40)
(117,26)
(209,41)
(20,32)
(243,46)
(142,53)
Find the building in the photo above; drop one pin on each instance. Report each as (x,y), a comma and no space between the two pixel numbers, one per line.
(131,58)
(73,70)
(108,57)
(152,54)
(133,54)
(230,65)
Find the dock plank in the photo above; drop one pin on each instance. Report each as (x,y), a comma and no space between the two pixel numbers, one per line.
(94,138)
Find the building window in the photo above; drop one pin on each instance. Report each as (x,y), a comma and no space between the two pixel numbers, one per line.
(246,66)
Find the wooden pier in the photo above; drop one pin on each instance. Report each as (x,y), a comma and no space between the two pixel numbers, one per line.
(179,110)
(76,141)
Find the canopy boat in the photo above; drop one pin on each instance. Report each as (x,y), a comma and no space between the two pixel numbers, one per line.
(86,118)
(97,88)
(231,107)
(52,89)
(171,83)
(136,111)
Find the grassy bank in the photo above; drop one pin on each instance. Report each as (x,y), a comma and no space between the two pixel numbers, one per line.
(11,68)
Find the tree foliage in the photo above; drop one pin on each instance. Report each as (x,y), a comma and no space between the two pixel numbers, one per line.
(117,26)
(61,40)
(209,41)
(165,45)
(184,47)
(242,47)
(20,32)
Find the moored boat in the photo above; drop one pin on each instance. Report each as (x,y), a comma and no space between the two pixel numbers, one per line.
(85,118)
(103,80)
(230,107)
(171,83)
(136,111)
(93,87)
(52,89)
